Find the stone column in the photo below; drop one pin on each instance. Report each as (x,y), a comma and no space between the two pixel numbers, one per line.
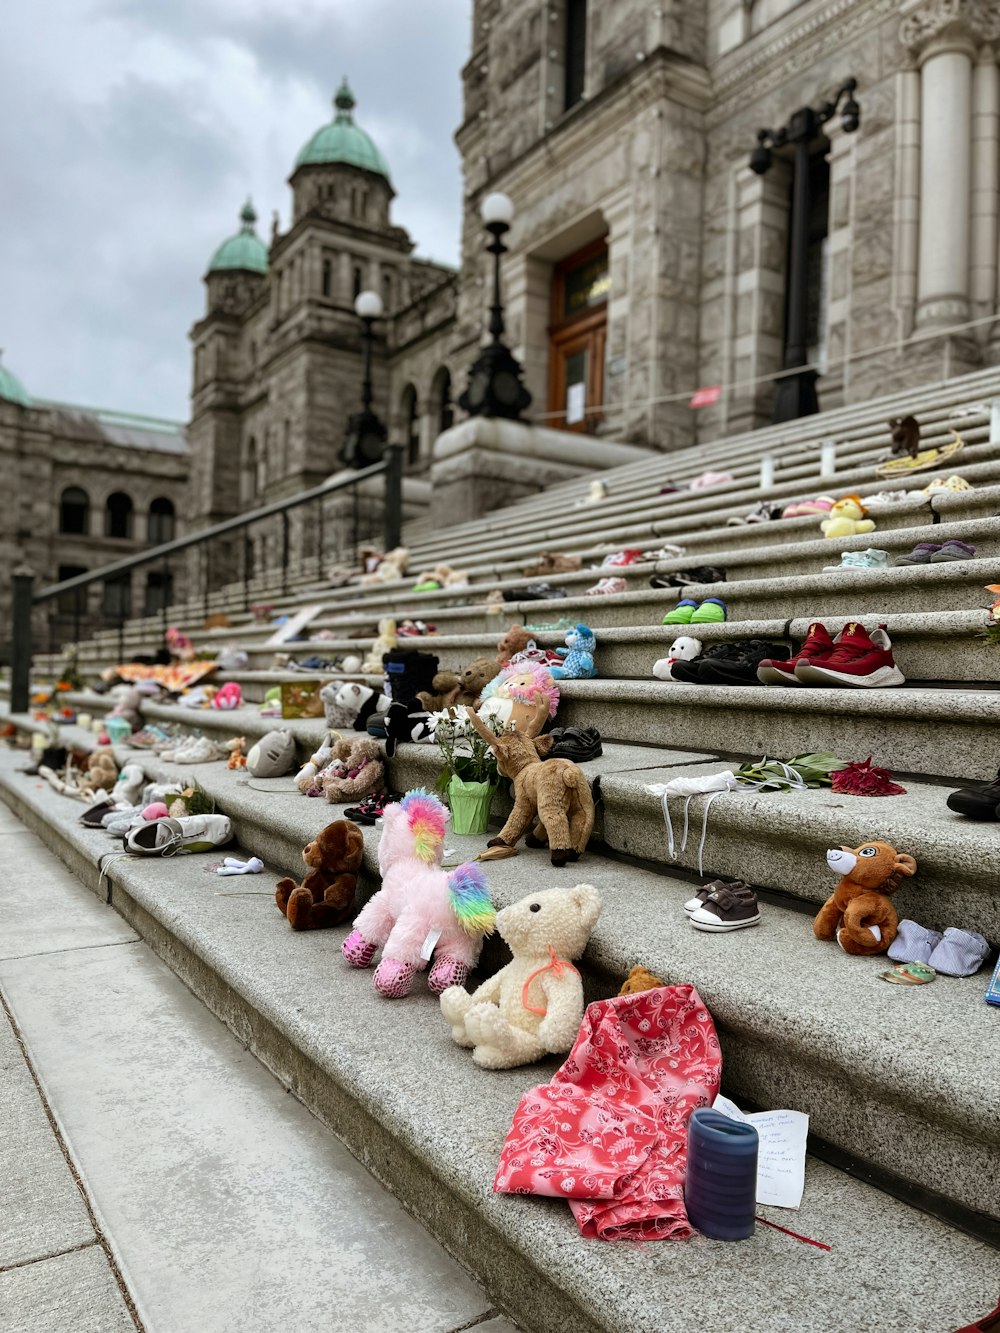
(907,197)
(945,180)
(851,258)
(985,181)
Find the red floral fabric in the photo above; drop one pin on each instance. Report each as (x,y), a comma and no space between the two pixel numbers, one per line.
(609,1133)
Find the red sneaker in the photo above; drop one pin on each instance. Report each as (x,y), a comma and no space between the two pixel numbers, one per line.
(858,659)
(773,671)
(988,1324)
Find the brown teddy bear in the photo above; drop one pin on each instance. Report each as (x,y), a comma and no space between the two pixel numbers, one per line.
(513,642)
(102,771)
(354,771)
(326,895)
(639,979)
(450,689)
(859,915)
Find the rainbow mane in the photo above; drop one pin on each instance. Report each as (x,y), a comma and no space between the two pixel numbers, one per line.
(470,900)
(541,683)
(426,817)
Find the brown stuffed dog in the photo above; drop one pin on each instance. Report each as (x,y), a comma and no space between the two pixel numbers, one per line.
(326,895)
(859,915)
(553,796)
(513,642)
(905,432)
(639,979)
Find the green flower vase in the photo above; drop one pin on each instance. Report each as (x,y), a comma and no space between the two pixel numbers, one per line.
(470,804)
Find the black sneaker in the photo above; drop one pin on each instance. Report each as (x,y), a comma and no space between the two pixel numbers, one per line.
(576,743)
(740,667)
(685,577)
(726,908)
(690,672)
(533,592)
(979,802)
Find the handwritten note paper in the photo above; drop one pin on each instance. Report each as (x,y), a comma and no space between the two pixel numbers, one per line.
(781,1157)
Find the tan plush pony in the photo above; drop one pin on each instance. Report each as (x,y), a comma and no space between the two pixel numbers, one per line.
(534,1005)
(553,794)
(859,915)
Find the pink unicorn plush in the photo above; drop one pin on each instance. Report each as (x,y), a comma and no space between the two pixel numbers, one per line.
(420,909)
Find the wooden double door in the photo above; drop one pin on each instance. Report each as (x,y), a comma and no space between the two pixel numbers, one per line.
(577,338)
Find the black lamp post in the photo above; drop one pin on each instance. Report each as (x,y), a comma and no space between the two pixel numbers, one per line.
(796,393)
(496,387)
(366,435)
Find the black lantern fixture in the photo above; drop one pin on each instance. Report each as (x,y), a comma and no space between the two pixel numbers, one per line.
(496,387)
(366,435)
(796,392)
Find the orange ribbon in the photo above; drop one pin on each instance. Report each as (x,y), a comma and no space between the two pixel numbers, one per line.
(555,966)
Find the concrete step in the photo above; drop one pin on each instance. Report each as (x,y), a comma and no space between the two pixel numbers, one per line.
(209,1182)
(918,1101)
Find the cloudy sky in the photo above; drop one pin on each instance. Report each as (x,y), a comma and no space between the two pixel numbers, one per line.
(133,131)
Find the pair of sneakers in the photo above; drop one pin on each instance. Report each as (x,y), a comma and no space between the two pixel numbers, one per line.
(855,659)
(718,907)
(198,750)
(733,663)
(690,612)
(938,553)
(872,558)
(607,586)
(953,952)
(167,837)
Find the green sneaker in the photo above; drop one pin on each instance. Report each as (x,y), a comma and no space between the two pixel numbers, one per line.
(710,611)
(682,613)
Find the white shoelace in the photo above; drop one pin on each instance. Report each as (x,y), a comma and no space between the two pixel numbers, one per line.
(726,781)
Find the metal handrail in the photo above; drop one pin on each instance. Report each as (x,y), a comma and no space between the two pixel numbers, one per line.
(24,596)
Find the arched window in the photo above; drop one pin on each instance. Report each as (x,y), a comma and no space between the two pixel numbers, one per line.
(444,412)
(118,515)
(327,278)
(356,281)
(161,521)
(411,431)
(74,510)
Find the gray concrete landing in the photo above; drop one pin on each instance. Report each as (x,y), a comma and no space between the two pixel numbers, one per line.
(225,1204)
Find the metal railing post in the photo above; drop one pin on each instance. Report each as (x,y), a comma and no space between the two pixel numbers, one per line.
(393,496)
(22,582)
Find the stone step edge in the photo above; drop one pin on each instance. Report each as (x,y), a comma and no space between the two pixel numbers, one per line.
(163,927)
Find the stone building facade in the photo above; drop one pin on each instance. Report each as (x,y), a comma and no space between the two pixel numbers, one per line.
(85,488)
(645,258)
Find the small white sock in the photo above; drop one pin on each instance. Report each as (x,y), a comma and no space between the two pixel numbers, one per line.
(234,867)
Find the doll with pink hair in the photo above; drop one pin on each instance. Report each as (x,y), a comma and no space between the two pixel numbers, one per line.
(420,911)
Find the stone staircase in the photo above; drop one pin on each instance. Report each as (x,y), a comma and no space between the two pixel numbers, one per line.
(902,1085)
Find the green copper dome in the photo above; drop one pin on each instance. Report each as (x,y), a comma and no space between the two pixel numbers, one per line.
(245,250)
(12,389)
(343,141)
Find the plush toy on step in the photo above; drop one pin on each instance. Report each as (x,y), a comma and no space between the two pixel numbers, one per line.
(552,797)
(388,568)
(421,911)
(905,433)
(859,915)
(305,778)
(577,656)
(683,649)
(351,704)
(451,690)
(513,696)
(534,1005)
(847,518)
(325,896)
(385,643)
(128,705)
(354,770)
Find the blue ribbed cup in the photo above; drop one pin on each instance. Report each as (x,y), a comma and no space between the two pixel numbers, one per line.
(720,1191)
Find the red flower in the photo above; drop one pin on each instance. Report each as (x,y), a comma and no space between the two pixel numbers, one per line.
(863,779)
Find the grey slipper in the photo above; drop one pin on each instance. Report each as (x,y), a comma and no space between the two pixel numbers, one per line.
(913,943)
(960,953)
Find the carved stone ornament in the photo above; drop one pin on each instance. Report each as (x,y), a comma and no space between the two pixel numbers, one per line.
(979,19)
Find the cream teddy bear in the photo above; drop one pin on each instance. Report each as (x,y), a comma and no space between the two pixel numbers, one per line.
(534,1005)
(385,643)
(847,518)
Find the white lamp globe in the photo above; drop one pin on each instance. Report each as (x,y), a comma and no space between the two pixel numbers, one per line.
(368,305)
(497,208)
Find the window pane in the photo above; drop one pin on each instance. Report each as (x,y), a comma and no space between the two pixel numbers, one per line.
(576,387)
(587,285)
(576,50)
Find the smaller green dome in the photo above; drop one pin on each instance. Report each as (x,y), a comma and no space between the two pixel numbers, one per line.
(12,389)
(245,250)
(343,141)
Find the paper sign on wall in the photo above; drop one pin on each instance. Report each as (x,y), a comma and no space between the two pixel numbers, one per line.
(576,403)
(781,1157)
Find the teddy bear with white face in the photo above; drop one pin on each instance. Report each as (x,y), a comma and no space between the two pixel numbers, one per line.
(534,1005)
(683,649)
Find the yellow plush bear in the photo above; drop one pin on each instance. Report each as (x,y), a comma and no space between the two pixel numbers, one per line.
(534,1005)
(847,518)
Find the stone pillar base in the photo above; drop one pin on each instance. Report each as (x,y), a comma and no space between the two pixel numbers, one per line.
(485,463)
